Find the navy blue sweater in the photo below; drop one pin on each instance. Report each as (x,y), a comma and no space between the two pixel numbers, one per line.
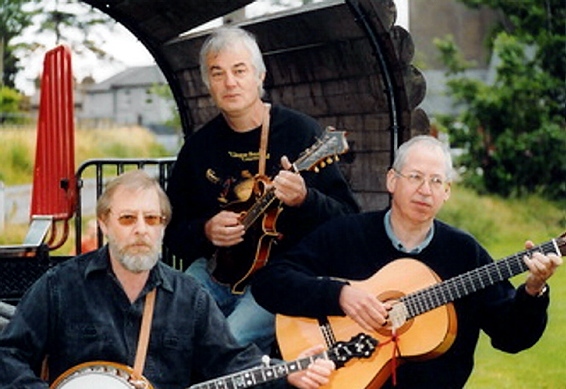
(302,282)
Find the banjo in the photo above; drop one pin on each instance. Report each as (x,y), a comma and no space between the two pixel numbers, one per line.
(99,375)
(110,375)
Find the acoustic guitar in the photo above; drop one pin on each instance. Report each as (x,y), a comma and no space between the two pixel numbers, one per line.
(109,375)
(422,320)
(234,265)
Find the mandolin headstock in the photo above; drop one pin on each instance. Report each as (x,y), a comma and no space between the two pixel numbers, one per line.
(325,151)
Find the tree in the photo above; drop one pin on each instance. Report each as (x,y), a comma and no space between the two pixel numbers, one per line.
(49,23)
(10,106)
(514,130)
(13,20)
(72,22)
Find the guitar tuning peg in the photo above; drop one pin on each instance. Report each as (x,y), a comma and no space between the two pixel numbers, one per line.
(329,160)
(336,158)
(323,164)
(316,169)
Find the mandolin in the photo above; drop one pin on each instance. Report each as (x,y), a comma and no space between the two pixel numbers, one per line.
(422,320)
(258,214)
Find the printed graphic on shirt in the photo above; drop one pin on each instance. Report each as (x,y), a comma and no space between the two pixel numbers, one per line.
(233,188)
(245,157)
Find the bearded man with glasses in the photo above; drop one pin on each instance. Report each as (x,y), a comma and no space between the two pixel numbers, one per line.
(119,314)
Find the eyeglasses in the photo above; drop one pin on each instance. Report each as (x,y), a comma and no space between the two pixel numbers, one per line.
(417,179)
(129,219)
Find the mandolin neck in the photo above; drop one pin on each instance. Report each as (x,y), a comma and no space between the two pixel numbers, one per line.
(332,143)
(258,208)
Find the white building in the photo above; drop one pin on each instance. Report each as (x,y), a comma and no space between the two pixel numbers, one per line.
(127,98)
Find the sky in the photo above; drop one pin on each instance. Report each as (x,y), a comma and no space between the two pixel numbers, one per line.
(129,52)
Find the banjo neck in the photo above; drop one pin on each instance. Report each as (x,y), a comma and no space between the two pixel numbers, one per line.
(110,375)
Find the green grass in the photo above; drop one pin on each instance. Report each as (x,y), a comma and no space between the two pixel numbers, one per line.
(502,226)
(16,164)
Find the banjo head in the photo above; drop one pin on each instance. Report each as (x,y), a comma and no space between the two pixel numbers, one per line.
(99,375)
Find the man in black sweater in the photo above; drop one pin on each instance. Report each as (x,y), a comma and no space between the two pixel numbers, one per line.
(315,279)
(216,170)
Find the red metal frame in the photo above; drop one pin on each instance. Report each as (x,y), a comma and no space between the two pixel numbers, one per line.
(54,182)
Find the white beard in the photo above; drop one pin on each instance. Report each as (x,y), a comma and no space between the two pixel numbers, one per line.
(138,263)
(135,262)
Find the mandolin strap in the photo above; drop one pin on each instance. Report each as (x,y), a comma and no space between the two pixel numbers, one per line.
(263,140)
(144,335)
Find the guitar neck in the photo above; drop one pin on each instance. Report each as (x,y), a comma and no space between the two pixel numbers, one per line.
(259,375)
(471,281)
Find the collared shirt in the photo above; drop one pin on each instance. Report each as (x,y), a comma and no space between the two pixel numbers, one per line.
(78,312)
(398,244)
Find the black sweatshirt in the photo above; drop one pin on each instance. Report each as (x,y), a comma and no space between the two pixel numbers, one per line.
(216,162)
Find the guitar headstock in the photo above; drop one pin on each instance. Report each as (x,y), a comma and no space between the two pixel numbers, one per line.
(359,346)
(561,243)
(324,151)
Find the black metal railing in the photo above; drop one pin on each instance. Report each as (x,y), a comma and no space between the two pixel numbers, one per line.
(17,273)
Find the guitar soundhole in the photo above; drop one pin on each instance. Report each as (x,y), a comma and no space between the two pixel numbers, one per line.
(397,314)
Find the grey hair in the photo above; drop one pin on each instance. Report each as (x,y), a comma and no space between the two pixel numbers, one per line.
(225,38)
(427,141)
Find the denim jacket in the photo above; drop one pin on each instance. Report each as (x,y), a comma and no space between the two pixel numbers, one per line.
(78,312)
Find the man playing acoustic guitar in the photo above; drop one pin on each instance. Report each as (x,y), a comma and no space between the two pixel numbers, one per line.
(223,171)
(118,317)
(380,272)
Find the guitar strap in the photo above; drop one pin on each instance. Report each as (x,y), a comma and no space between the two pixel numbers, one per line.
(144,335)
(263,140)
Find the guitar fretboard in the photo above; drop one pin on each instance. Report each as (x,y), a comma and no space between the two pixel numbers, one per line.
(471,281)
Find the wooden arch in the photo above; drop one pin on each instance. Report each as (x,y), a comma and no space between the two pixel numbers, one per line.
(344,62)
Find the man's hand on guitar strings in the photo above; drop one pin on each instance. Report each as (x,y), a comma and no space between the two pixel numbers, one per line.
(289,186)
(224,229)
(541,268)
(317,374)
(364,308)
